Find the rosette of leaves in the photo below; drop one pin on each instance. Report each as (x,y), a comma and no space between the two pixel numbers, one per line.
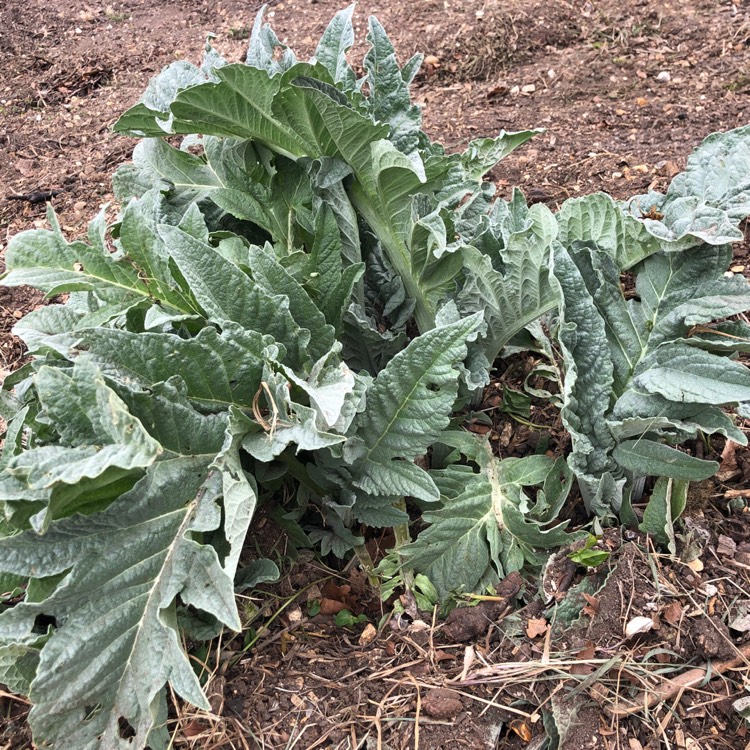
(647,369)
(179,375)
(280,138)
(195,356)
(124,483)
(241,333)
(486,523)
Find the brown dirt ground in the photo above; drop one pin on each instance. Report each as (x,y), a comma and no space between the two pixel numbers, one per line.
(594,75)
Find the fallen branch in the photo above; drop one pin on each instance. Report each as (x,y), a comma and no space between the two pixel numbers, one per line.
(687,680)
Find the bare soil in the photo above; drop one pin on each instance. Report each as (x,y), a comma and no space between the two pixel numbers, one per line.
(625,90)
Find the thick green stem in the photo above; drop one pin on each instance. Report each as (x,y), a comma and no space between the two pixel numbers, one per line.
(366,563)
(403,537)
(401,532)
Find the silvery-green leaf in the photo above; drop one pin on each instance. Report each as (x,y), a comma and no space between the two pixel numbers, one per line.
(625,332)
(14,438)
(164,410)
(218,369)
(727,336)
(387,185)
(365,347)
(238,490)
(180,170)
(475,370)
(511,285)
(435,262)
(386,300)
(666,279)
(668,500)
(329,384)
(18,665)
(483,518)
(408,405)
(211,57)
(275,280)
(150,117)
(333,196)
(707,201)
(454,551)
(482,154)
(648,458)
(300,114)
(264,48)
(285,423)
(45,260)
(101,444)
(637,412)
(224,292)
(663,384)
(336,41)
(239,106)
(274,202)
(49,329)
(254,573)
(139,555)
(588,371)
(599,220)
(683,373)
(389,99)
(141,242)
(333,285)
(335,537)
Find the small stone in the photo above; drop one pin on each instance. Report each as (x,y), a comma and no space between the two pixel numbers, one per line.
(664,77)
(368,635)
(515,90)
(737,269)
(294,615)
(741,623)
(529,88)
(638,625)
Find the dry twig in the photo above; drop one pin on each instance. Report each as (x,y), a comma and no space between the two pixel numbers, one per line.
(687,680)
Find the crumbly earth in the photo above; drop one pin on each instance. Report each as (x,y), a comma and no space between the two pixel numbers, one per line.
(624,89)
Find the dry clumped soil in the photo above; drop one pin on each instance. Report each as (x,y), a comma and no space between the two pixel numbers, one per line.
(625,89)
